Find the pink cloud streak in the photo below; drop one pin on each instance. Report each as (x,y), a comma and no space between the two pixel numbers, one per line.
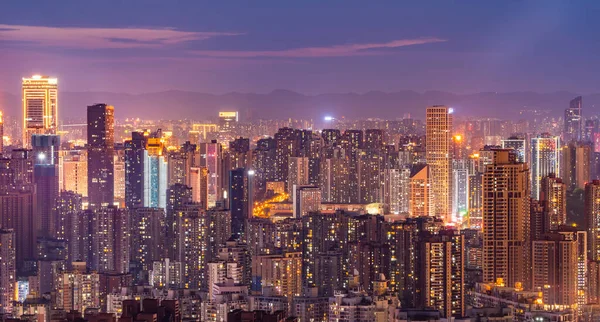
(332,51)
(94,38)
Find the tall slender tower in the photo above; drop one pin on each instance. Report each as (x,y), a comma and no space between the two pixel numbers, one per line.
(8,271)
(506,220)
(545,159)
(211,155)
(439,159)
(101,145)
(592,217)
(40,106)
(573,120)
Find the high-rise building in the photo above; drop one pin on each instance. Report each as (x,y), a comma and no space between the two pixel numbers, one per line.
(576,164)
(135,155)
(167,274)
(555,268)
(286,145)
(331,137)
(75,172)
(180,163)
(239,154)
(518,144)
(110,239)
(119,174)
(78,290)
(352,141)
(297,172)
(100,144)
(573,120)
(21,166)
(240,202)
(282,271)
(45,173)
(460,189)
(211,155)
(370,176)
(192,244)
(68,211)
(147,239)
(8,273)
(155,174)
(18,210)
(506,220)
(443,273)
(554,199)
(545,159)
(40,106)
(305,199)
(373,139)
(592,218)
(335,179)
(396,189)
(420,191)
(439,159)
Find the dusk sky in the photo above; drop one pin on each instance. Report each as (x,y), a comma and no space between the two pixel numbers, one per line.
(306,46)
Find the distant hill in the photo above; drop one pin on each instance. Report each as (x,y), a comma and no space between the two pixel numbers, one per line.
(283,104)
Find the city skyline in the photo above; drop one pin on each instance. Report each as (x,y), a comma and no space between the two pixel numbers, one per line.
(383,206)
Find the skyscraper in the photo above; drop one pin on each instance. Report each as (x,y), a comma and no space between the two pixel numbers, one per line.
(519,145)
(101,142)
(506,220)
(397,189)
(75,172)
(439,159)
(45,173)
(442,274)
(460,189)
(8,274)
(155,174)
(555,268)
(148,239)
(576,164)
(573,120)
(554,199)
(211,155)
(135,154)
(18,212)
(239,199)
(545,159)
(40,106)
(420,191)
(305,199)
(592,218)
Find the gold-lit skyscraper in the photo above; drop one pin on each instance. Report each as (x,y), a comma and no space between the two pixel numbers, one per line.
(40,106)
(439,159)
(506,220)
(592,217)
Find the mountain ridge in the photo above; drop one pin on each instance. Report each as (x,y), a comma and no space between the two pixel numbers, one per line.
(283,104)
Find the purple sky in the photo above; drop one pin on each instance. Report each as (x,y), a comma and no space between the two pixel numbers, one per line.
(306,46)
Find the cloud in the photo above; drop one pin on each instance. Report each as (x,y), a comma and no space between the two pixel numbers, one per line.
(331,51)
(96,38)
